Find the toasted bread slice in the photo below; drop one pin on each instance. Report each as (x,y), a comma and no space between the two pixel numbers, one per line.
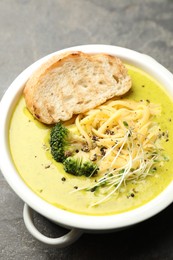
(74,83)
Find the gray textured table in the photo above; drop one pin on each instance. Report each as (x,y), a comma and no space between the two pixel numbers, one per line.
(31,29)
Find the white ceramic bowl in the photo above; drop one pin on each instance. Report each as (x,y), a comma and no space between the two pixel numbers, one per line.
(78,223)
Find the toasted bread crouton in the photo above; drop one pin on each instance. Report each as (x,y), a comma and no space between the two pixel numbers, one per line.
(74,83)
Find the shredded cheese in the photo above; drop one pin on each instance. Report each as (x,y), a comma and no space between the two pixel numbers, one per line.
(123,137)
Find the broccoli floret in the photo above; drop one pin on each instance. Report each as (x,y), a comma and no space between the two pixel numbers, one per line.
(63,146)
(77,167)
(59,142)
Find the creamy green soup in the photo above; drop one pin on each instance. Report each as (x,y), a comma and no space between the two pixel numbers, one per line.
(30,152)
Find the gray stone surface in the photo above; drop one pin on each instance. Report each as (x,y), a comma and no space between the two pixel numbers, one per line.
(30,29)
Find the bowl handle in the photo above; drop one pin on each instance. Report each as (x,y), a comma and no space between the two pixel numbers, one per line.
(59,242)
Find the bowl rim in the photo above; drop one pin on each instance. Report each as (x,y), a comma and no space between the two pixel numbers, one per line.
(60,216)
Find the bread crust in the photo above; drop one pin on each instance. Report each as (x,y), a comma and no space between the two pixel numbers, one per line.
(74,83)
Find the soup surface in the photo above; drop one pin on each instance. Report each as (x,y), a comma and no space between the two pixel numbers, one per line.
(30,152)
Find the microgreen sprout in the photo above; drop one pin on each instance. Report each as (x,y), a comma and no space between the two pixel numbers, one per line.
(138,165)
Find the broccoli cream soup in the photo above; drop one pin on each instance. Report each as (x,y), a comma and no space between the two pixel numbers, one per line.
(132,140)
